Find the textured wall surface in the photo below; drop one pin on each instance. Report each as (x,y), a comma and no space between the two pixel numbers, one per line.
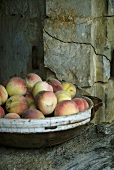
(21,38)
(78,45)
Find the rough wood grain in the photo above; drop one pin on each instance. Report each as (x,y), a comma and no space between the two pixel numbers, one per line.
(91,149)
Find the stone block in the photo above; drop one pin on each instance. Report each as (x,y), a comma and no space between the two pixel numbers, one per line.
(69,61)
(68,9)
(69,31)
(78,44)
(105,92)
(75,62)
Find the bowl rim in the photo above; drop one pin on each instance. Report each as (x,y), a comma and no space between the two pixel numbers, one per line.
(47,124)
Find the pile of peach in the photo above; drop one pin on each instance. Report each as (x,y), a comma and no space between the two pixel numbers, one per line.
(33,98)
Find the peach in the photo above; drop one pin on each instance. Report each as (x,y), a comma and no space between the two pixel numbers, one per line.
(69,87)
(33,114)
(86,105)
(46,102)
(16,104)
(32,106)
(30,98)
(80,103)
(41,86)
(16,86)
(3,94)
(66,107)
(31,80)
(56,84)
(2,112)
(12,116)
(62,95)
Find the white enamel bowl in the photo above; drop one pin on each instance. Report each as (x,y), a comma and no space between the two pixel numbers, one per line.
(36,133)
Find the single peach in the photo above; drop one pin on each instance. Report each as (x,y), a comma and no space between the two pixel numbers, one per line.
(31,80)
(69,87)
(32,114)
(66,107)
(16,104)
(46,102)
(12,116)
(86,105)
(41,86)
(3,94)
(80,103)
(62,95)
(56,84)
(16,86)
(2,112)
(32,106)
(30,98)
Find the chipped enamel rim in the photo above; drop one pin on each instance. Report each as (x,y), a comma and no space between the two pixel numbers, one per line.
(50,124)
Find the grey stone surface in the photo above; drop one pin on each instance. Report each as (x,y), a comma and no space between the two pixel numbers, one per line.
(62,30)
(105,92)
(59,8)
(75,62)
(91,149)
(68,61)
(78,45)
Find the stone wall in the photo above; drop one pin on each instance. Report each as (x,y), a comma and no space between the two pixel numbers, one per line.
(78,45)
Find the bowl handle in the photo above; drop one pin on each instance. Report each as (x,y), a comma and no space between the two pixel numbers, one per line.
(97,102)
